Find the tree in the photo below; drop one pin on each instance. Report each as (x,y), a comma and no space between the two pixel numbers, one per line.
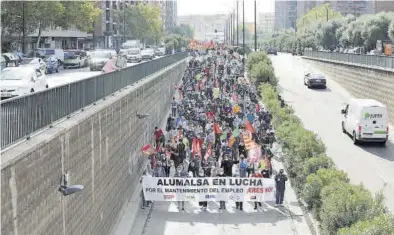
(184,30)
(391,31)
(143,22)
(62,14)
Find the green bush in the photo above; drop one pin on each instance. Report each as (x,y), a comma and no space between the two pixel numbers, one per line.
(256,57)
(344,204)
(315,183)
(263,73)
(380,225)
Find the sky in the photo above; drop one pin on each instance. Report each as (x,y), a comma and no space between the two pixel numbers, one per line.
(212,7)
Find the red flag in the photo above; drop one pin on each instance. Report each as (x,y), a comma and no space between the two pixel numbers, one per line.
(194,147)
(210,115)
(249,127)
(198,148)
(231,141)
(208,153)
(216,128)
(148,150)
(257,108)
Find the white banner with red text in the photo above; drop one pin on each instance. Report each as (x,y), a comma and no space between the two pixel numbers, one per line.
(208,189)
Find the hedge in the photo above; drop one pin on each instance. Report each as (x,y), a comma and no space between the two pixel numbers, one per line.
(341,208)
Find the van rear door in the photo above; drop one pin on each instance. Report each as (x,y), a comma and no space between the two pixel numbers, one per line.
(374,122)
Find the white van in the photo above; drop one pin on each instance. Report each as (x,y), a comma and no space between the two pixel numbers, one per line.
(366,120)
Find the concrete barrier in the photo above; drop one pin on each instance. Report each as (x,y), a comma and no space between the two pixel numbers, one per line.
(100,149)
(360,81)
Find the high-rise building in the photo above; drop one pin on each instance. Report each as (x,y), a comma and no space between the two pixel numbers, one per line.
(265,23)
(285,14)
(204,26)
(304,6)
(383,6)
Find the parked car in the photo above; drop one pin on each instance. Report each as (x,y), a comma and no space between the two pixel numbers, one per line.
(98,58)
(16,81)
(36,63)
(11,60)
(272,51)
(72,60)
(42,52)
(148,54)
(82,54)
(115,63)
(314,80)
(3,62)
(160,51)
(134,55)
(53,64)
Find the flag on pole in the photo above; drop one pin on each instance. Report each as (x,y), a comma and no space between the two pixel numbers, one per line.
(216,128)
(249,143)
(254,155)
(249,127)
(208,153)
(148,150)
(231,141)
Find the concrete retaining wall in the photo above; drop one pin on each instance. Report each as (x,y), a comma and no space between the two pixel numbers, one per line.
(361,82)
(99,147)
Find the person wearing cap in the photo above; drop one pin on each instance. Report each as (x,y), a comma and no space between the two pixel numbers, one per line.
(280,180)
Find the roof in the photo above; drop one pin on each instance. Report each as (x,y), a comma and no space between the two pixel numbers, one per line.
(368,103)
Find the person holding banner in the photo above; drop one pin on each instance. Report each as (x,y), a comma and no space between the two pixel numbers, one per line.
(180,173)
(257,175)
(222,203)
(203,204)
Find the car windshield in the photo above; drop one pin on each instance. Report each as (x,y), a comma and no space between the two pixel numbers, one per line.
(133,52)
(317,76)
(101,54)
(15,74)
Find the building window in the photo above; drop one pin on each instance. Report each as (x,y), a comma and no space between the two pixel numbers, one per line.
(107,16)
(108,27)
(107,4)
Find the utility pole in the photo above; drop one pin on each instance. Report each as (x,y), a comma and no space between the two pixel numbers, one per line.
(23,28)
(233,29)
(124,22)
(237,25)
(255,26)
(243,26)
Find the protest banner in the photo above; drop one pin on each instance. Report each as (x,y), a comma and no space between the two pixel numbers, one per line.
(208,189)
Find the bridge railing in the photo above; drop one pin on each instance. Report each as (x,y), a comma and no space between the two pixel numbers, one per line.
(24,115)
(383,62)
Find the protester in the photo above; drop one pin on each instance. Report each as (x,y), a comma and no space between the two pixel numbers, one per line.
(280,180)
(180,173)
(205,131)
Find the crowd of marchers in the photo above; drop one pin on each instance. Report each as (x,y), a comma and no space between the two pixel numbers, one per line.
(216,128)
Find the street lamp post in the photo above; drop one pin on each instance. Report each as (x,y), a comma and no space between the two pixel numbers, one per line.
(237,25)
(230,29)
(23,28)
(124,21)
(243,26)
(255,26)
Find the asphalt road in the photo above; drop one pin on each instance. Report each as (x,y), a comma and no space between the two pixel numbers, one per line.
(66,76)
(320,111)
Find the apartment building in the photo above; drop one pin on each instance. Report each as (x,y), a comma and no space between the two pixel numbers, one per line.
(265,23)
(204,26)
(383,6)
(285,14)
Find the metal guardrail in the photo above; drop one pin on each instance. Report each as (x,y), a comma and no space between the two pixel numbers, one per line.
(383,62)
(24,115)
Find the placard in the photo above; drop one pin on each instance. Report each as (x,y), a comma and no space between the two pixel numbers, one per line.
(208,189)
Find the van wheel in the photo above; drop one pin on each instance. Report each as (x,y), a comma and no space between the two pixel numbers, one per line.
(343,128)
(383,144)
(32,90)
(355,141)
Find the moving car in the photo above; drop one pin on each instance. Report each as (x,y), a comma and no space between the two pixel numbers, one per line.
(73,60)
(98,58)
(36,63)
(53,64)
(148,54)
(16,81)
(315,80)
(11,60)
(272,51)
(134,55)
(77,53)
(3,62)
(366,120)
